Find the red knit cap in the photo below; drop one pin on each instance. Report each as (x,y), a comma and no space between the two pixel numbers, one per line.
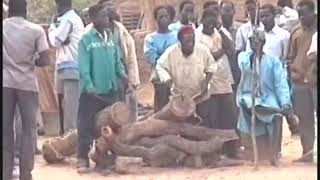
(184,30)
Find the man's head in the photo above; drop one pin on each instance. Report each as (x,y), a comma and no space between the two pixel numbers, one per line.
(251,8)
(306,13)
(186,37)
(18,8)
(213,5)
(209,21)
(162,15)
(267,15)
(186,9)
(111,5)
(63,6)
(100,16)
(257,40)
(227,11)
(172,12)
(283,3)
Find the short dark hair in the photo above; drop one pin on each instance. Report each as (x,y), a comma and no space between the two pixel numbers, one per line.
(103,1)
(208,13)
(171,11)
(308,3)
(250,2)
(283,3)
(209,3)
(270,7)
(17,8)
(64,2)
(155,11)
(185,2)
(95,9)
(227,2)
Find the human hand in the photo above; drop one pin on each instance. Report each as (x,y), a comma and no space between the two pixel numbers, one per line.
(54,18)
(286,109)
(168,83)
(67,41)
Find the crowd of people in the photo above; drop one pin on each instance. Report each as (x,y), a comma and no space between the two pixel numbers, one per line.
(213,59)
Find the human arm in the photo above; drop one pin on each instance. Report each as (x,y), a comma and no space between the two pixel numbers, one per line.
(281,85)
(131,57)
(85,66)
(210,67)
(120,70)
(163,68)
(240,42)
(312,52)
(43,50)
(285,46)
(58,36)
(227,43)
(150,52)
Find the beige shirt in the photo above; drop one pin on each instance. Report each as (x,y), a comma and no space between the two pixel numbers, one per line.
(22,40)
(187,73)
(222,79)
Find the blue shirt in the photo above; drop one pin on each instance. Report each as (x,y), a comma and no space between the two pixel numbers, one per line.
(156,43)
(274,89)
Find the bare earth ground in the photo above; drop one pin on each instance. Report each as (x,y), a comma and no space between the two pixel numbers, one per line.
(291,150)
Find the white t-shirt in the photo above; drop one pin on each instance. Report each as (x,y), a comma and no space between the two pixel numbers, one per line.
(314,45)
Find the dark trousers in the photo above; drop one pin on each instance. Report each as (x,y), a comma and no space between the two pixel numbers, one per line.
(223,115)
(202,110)
(161,96)
(89,106)
(304,109)
(28,103)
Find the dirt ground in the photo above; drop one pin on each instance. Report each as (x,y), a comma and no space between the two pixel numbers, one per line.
(290,151)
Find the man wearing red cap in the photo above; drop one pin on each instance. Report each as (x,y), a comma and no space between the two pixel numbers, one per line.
(187,67)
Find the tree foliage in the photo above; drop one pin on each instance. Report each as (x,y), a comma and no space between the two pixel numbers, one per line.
(41,11)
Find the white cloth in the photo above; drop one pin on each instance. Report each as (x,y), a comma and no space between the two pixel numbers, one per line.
(314,46)
(277,43)
(223,29)
(178,25)
(70,25)
(288,19)
(243,34)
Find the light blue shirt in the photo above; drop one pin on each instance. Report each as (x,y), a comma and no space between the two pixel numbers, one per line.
(274,89)
(156,43)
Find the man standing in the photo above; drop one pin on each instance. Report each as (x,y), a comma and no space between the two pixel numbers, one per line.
(273,93)
(227,14)
(187,67)
(277,42)
(245,30)
(100,71)
(187,15)
(222,114)
(228,11)
(300,41)
(20,85)
(155,45)
(64,34)
(127,55)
